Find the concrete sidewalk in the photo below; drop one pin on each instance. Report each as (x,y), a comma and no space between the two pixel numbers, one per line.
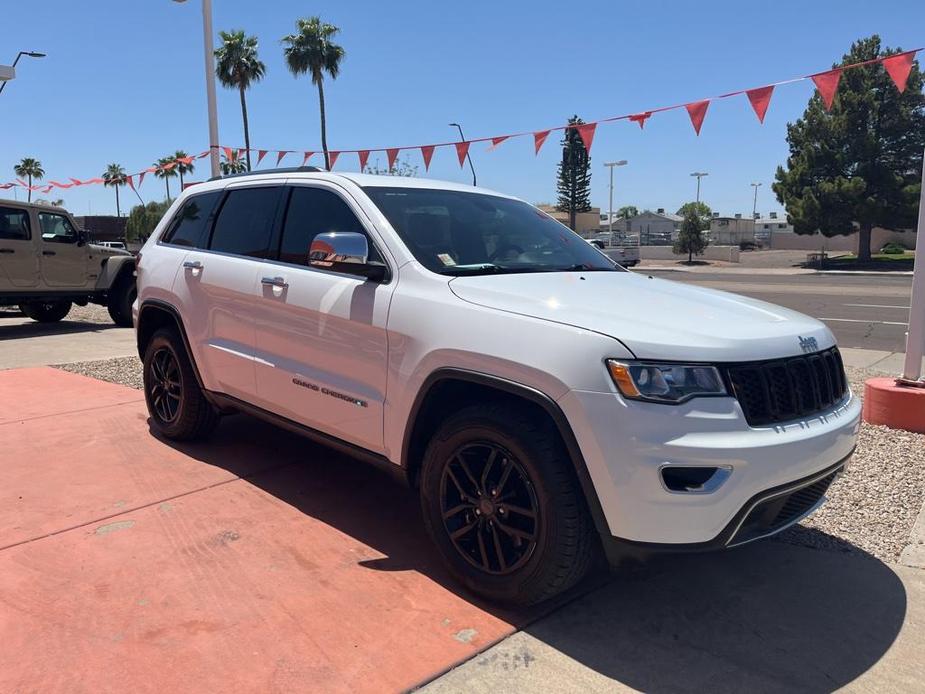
(732,270)
(23,342)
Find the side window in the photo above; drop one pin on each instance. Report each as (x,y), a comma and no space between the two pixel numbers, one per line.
(190,226)
(314,211)
(56,228)
(245,221)
(14,224)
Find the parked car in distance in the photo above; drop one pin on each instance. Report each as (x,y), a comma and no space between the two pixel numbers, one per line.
(47,264)
(111,244)
(623,248)
(547,404)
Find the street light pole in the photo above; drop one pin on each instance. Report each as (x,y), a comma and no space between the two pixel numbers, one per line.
(462,138)
(699,175)
(915,337)
(210,84)
(610,165)
(31,54)
(755,201)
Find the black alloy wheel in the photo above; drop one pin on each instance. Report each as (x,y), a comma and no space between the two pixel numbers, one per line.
(166,385)
(489,508)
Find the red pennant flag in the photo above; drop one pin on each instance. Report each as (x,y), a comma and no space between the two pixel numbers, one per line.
(141,178)
(363,155)
(279,156)
(332,157)
(586,132)
(75,181)
(462,150)
(827,84)
(241,153)
(697,111)
(131,183)
(47,189)
(24,184)
(641,118)
(261,153)
(760,99)
(427,151)
(204,154)
(306,156)
(392,155)
(4,186)
(495,141)
(538,139)
(229,153)
(94,180)
(899,67)
(61,185)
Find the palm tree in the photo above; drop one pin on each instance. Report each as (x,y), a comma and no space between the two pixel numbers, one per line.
(238,67)
(29,168)
(233,165)
(182,167)
(161,171)
(114,176)
(312,50)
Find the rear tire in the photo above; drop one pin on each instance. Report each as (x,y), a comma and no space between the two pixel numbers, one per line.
(46,312)
(178,408)
(120,303)
(518,559)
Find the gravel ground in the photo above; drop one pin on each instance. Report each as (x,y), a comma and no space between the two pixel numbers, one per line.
(871,508)
(91,313)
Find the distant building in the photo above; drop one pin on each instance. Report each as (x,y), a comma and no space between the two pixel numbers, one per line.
(731,231)
(103,227)
(654,228)
(774,222)
(584,221)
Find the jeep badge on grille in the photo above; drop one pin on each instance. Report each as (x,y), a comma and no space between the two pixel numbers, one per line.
(808,344)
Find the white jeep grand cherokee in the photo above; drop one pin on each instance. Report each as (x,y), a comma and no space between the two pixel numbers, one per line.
(546,403)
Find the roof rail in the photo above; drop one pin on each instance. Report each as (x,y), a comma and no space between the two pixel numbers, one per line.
(285,169)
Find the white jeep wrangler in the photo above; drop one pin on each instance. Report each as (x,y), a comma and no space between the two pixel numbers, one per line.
(47,264)
(547,403)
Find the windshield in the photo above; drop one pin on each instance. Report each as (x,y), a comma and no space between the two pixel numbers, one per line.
(456,233)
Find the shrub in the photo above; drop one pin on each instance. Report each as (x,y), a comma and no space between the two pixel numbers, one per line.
(893,248)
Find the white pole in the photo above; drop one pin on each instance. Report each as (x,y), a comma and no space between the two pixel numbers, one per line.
(210,85)
(610,209)
(915,339)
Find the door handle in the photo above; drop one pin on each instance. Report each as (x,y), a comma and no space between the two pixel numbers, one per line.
(48,253)
(275,282)
(7,250)
(192,264)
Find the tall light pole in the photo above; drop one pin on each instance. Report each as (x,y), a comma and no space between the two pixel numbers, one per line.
(699,175)
(462,138)
(610,165)
(210,84)
(755,202)
(31,54)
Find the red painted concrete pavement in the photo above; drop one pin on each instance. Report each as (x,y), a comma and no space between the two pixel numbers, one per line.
(129,564)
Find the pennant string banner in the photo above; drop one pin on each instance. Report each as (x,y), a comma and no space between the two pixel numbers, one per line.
(898,66)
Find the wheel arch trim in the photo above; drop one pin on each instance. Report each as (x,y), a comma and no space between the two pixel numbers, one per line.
(166,307)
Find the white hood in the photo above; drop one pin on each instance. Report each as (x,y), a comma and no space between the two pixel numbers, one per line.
(655,319)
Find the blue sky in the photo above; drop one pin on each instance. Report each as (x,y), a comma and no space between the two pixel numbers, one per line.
(123,82)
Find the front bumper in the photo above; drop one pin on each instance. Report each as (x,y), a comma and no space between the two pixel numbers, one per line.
(626,444)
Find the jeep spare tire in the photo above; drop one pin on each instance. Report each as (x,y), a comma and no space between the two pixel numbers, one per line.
(46,311)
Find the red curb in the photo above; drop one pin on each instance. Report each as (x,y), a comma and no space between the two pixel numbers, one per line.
(898,407)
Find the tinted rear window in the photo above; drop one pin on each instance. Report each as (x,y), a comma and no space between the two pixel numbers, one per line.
(190,226)
(14,224)
(245,221)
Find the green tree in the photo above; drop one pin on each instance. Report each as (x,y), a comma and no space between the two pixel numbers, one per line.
(182,168)
(165,171)
(29,169)
(312,50)
(690,238)
(700,208)
(401,167)
(574,174)
(627,211)
(233,165)
(142,219)
(238,67)
(114,177)
(857,166)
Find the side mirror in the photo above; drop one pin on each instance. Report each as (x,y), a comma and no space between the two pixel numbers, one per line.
(83,238)
(344,251)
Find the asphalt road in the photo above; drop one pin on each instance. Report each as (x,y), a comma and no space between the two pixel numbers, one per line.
(867,312)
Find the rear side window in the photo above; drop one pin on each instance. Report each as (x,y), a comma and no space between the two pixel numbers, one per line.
(314,211)
(245,221)
(190,226)
(14,224)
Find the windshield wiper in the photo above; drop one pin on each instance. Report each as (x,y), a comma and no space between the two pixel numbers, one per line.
(474,269)
(579,267)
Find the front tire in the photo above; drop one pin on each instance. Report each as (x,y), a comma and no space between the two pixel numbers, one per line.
(178,408)
(120,303)
(46,312)
(503,506)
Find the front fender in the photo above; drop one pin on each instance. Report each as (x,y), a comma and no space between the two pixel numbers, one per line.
(115,269)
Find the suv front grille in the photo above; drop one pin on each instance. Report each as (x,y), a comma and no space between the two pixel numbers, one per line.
(777,391)
(778,512)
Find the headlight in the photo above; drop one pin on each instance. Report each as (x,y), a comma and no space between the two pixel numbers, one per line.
(671,383)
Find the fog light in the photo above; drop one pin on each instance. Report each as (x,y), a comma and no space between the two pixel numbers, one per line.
(681,479)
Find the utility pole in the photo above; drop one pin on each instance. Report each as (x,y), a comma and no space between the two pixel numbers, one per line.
(610,165)
(755,202)
(699,175)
